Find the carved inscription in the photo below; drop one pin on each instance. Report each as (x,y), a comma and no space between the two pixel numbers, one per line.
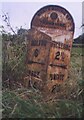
(53,44)
(60,56)
(46,22)
(34,73)
(56,76)
(53,8)
(54,17)
(36,52)
(38,42)
(61,45)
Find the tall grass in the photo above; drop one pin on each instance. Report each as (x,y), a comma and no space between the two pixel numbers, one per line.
(21,102)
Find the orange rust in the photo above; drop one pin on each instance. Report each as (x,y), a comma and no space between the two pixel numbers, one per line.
(50,43)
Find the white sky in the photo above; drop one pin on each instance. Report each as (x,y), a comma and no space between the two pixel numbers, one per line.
(21,13)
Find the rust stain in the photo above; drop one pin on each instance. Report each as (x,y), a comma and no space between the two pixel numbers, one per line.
(50,43)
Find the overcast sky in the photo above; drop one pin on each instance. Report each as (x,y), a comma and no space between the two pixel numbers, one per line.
(21,13)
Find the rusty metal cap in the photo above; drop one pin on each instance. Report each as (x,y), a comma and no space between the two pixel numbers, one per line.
(53,16)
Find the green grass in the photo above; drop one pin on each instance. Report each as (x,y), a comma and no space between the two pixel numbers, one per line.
(27,103)
(78,51)
(17,107)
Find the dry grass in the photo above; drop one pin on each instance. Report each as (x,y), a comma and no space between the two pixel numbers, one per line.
(28,103)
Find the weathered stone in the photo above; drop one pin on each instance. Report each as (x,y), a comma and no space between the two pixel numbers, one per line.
(50,42)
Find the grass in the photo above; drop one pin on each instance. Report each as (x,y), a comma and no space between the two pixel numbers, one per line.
(16,106)
(27,103)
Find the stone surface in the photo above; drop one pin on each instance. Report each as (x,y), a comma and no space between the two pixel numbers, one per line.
(49,47)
